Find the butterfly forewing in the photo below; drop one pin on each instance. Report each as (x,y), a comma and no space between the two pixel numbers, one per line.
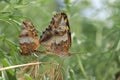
(57,38)
(28,38)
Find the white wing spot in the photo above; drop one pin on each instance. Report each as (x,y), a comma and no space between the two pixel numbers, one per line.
(27,40)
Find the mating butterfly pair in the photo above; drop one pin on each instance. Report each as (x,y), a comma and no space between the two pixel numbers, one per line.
(56,38)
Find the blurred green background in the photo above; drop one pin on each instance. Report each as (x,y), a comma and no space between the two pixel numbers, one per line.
(95,31)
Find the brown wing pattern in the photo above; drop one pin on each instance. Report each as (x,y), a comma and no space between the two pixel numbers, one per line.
(57,37)
(28,38)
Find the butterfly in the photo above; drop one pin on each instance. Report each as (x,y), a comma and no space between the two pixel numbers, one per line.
(57,36)
(28,38)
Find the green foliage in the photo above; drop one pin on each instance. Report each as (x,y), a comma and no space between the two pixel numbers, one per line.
(95,41)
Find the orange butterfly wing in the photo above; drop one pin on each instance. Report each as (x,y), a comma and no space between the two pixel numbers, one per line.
(57,37)
(28,38)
